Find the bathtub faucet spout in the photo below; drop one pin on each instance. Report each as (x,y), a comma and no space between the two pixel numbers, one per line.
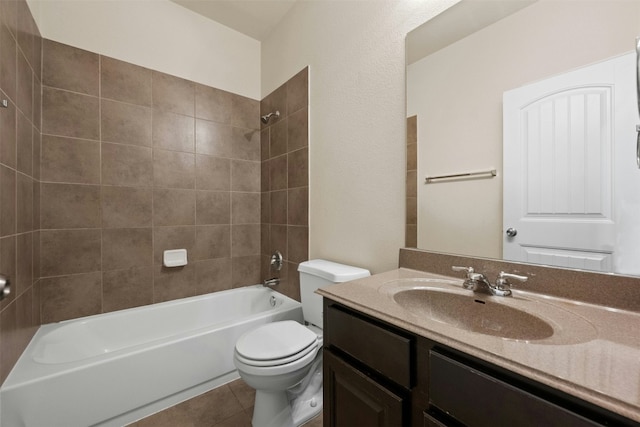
(272,282)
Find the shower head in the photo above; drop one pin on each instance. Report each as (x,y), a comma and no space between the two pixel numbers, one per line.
(266,117)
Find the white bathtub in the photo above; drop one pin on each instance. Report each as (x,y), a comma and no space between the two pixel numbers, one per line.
(115,368)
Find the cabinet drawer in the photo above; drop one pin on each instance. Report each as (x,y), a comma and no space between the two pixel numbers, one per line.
(381,349)
(477,399)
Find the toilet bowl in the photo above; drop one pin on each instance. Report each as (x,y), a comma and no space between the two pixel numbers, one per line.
(283,360)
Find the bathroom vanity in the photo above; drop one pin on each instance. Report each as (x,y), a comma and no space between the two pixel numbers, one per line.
(386,363)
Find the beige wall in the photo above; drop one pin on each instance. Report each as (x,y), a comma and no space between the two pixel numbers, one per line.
(457,95)
(356,57)
(157,34)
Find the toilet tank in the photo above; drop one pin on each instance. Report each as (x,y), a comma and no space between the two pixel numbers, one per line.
(318,273)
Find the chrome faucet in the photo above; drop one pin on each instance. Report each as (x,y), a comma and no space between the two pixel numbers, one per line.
(478,282)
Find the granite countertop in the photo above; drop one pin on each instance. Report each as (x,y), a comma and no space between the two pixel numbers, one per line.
(594,353)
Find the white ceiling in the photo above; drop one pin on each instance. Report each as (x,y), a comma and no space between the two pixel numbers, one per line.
(255,18)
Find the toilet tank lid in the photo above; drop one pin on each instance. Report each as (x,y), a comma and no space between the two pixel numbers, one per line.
(332,271)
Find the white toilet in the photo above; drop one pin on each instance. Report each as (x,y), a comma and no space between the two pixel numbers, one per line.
(283,360)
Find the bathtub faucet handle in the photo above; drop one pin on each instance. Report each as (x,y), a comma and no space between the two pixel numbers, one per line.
(271,282)
(5,286)
(276,261)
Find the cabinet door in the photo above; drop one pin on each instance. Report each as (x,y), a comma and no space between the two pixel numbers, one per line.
(477,399)
(353,399)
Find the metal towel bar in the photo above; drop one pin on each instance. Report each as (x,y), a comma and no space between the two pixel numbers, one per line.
(489,173)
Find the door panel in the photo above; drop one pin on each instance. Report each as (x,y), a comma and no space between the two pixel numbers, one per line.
(563,138)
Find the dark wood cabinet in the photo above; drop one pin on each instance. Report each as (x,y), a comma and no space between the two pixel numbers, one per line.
(376,374)
(356,399)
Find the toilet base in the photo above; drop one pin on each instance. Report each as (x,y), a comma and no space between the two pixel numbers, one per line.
(293,407)
(272,409)
(306,397)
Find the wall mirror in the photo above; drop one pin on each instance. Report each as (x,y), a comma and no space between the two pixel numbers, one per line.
(569,145)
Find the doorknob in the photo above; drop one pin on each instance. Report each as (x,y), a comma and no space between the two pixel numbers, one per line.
(511,232)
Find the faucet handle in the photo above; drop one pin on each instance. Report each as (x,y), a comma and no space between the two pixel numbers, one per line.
(468,270)
(503,279)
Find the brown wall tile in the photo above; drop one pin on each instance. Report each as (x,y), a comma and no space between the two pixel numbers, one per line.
(298,243)
(70,251)
(297,88)
(126,123)
(298,130)
(128,288)
(245,240)
(24,96)
(245,112)
(298,168)
(70,114)
(213,173)
(173,94)
(245,270)
(245,176)
(245,208)
(70,206)
(279,207)
(126,207)
(278,177)
(212,241)
(214,138)
(173,283)
(173,131)
(24,146)
(213,275)
(278,240)
(174,207)
(213,104)
(8,136)
(213,207)
(7,201)
(8,62)
(174,169)
(69,297)
(24,203)
(24,263)
(126,165)
(126,248)
(246,144)
(278,138)
(298,206)
(70,68)
(125,82)
(70,160)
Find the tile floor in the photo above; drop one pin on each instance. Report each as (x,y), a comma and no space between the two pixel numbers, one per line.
(230,405)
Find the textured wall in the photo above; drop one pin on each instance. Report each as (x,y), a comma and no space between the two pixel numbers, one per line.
(356,57)
(157,34)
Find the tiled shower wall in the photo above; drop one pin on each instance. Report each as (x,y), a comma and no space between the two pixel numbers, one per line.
(105,164)
(135,162)
(20,65)
(285,180)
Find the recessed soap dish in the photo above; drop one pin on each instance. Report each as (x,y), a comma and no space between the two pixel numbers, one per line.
(175,258)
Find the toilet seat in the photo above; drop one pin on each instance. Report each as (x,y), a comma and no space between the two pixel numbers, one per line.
(276,348)
(273,342)
(275,362)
